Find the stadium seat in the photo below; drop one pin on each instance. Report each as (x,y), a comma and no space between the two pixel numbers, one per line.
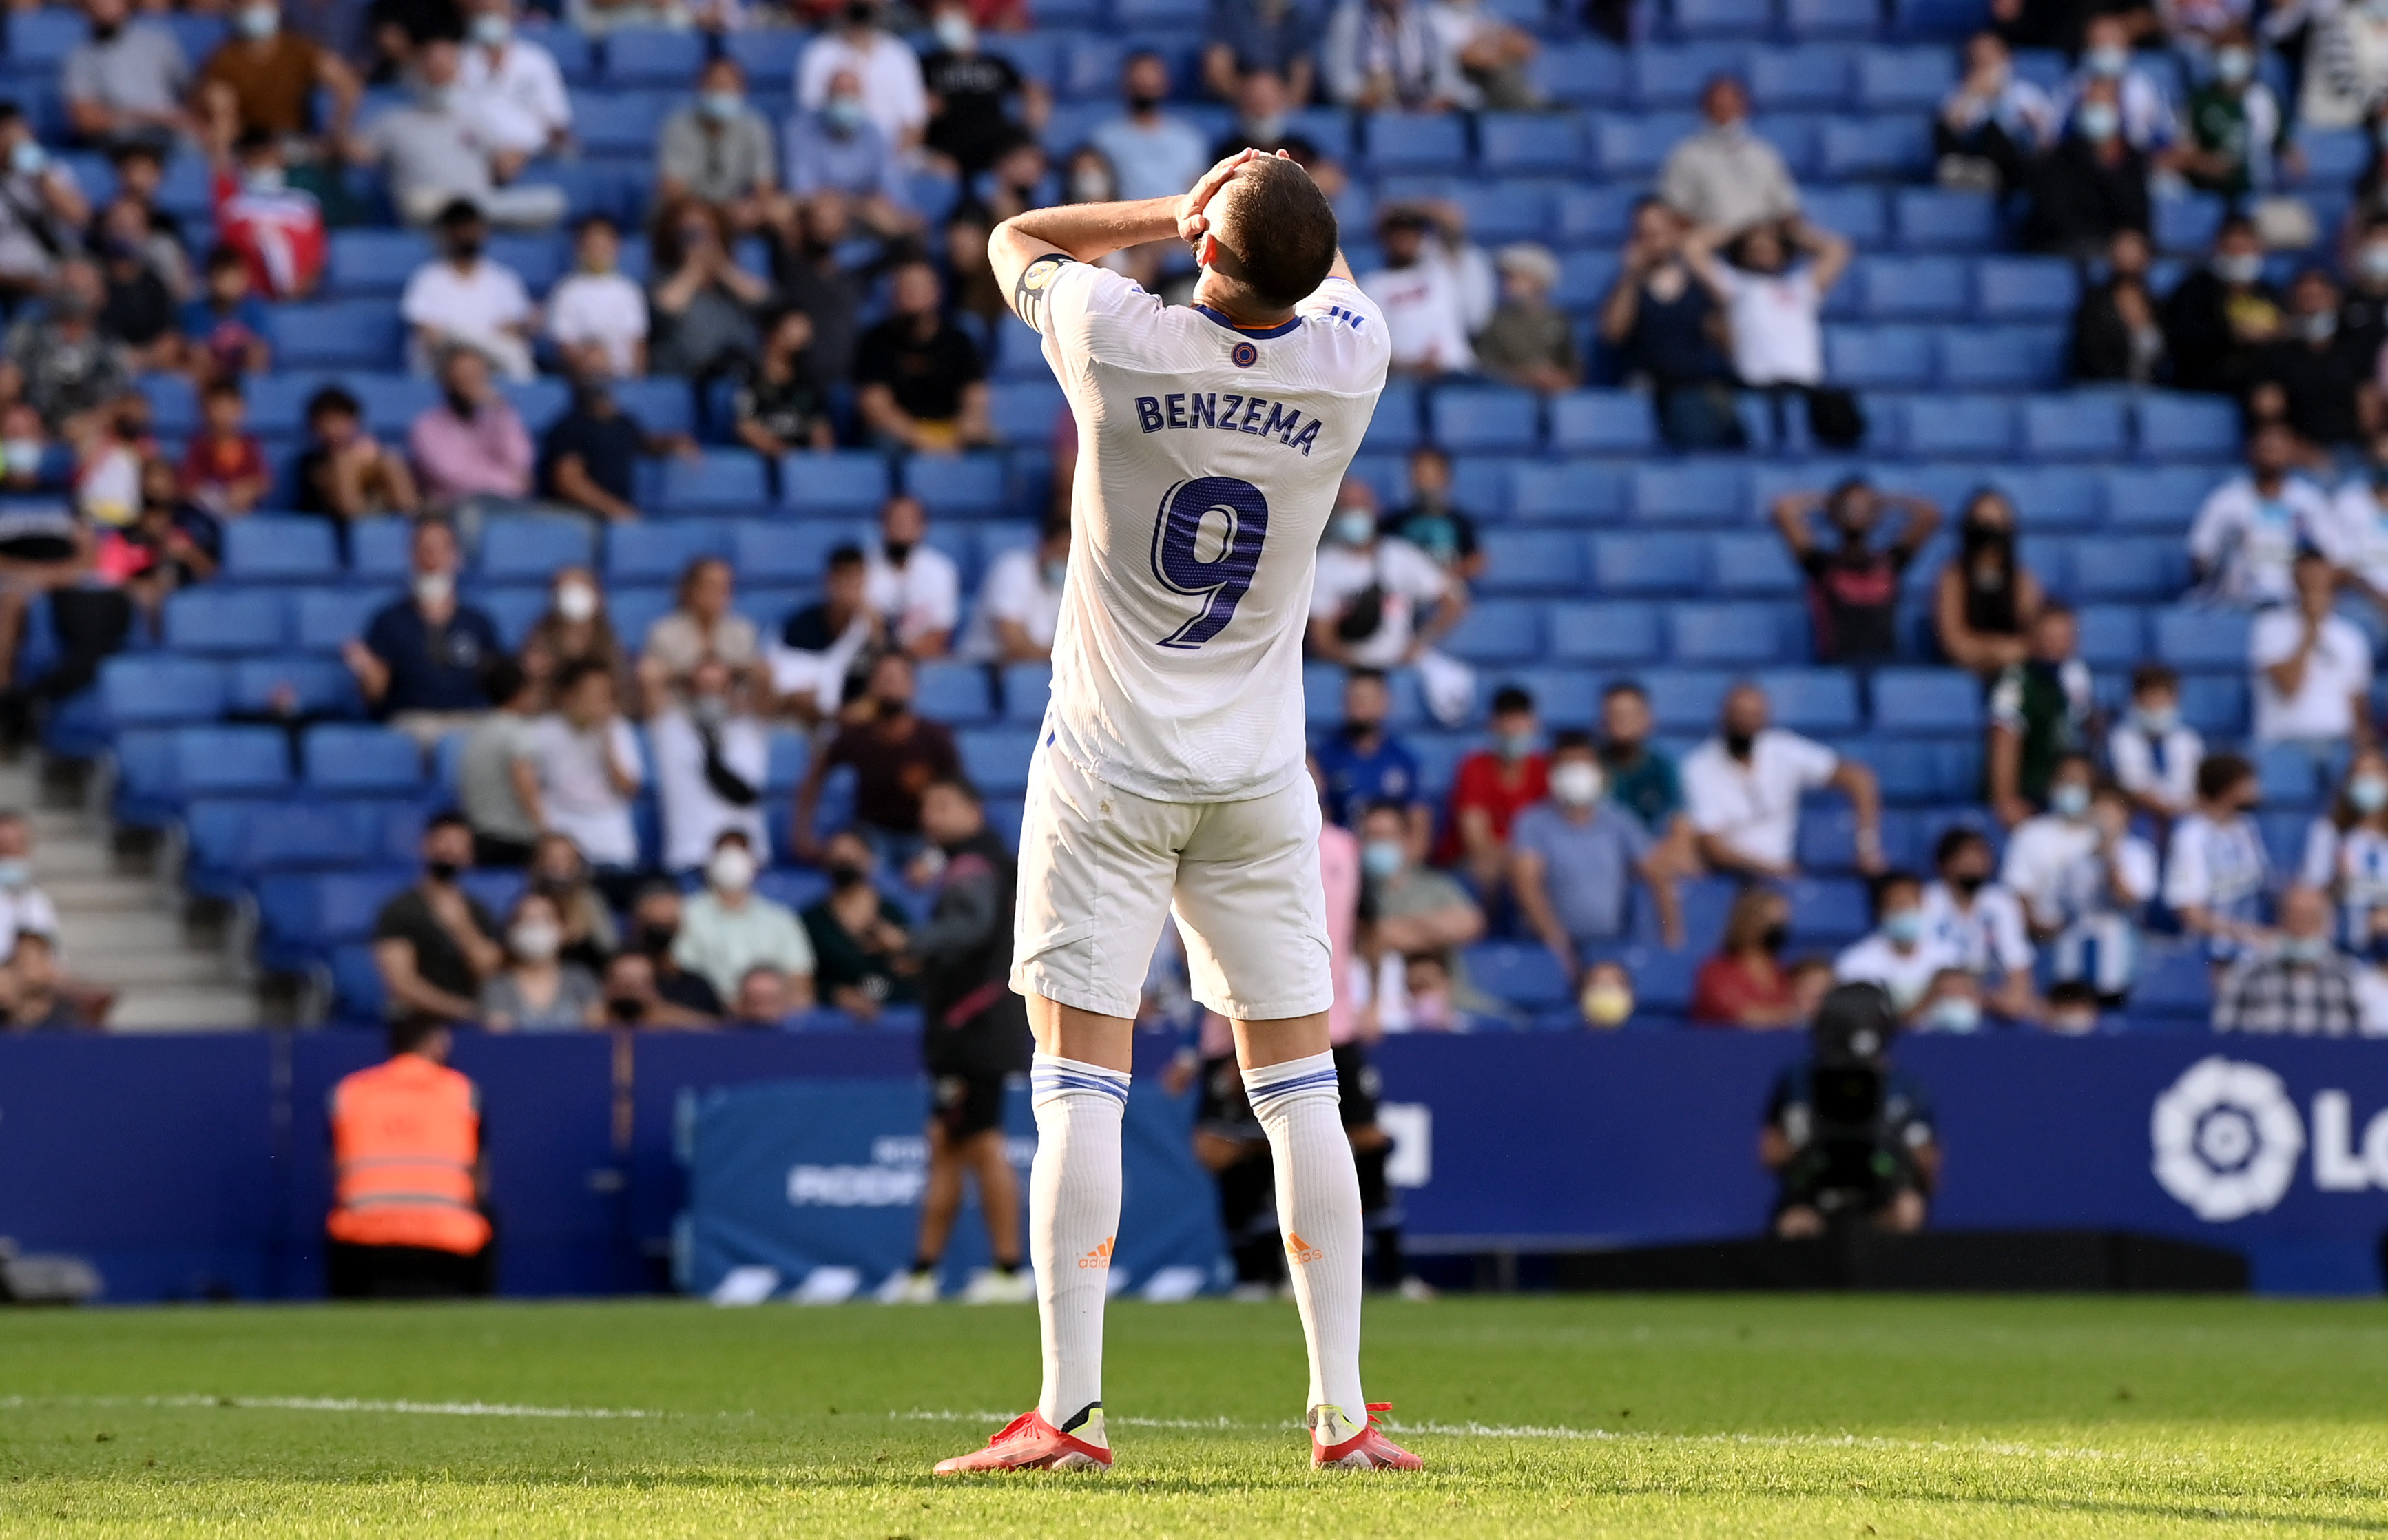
(322,619)
(966,486)
(654,57)
(267,548)
(2158,497)
(1581,491)
(1647,564)
(337,334)
(1693,491)
(1598,217)
(1686,701)
(230,761)
(1876,357)
(1602,422)
(1904,80)
(659,552)
(1821,19)
(1808,78)
(1913,288)
(1955,426)
(1927,700)
(152,690)
(2332,157)
(2122,569)
(1607,633)
(1854,210)
(845,482)
(618,122)
(2010,357)
(715,480)
(2176,427)
(1933,219)
(523,548)
(1580,75)
(996,758)
(1499,212)
(1531,561)
(771,53)
(2112,636)
(219,620)
(1753,565)
(2025,289)
(1881,147)
(2188,226)
(1530,144)
(358,760)
(1485,420)
(1671,75)
(1633,147)
(1829,911)
(1402,142)
(1493,630)
(953,693)
(2080,426)
(2201,638)
(1724,633)
(295,685)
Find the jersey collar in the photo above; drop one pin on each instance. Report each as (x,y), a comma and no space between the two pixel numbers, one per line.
(1278,330)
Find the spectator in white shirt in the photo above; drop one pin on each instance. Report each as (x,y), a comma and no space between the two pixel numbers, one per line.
(1900,953)
(712,756)
(1981,920)
(1393,56)
(596,317)
(1742,790)
(1724,176)
(2084,879)
(2216,869)
(2148,126)
(1376,600)
(24,907)
(511,89)
(2346,65)
(1153,153)
(1772,290)
(915,588)
(462,298)
(729,930)
(434,152)
(1434,288)
(893,93)
(1020,602)
(587,767)
(2347,856)
(2153,756)
(2250,526)
(2356,536)
(2312,668)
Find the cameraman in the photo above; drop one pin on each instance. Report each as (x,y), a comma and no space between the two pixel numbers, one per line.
(1850,1138)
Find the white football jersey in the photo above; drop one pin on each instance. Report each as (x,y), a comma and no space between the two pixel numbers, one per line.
(1209,458)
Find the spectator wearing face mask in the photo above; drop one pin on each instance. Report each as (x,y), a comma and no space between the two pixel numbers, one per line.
(1574,859)
(893,93)
(2145,119)
(1993,126)
(712,756)
(125,82)
(2084,880)
(857,934)
(2116,334)
(1433,289)
(433,155)
(728,928)
(2300,985)
(826,649)
(2218,314)
(1985,601)
(511,85)
(2039,710)
(1020,602)
(471,448)
(2312,668)
(265,76)
(42,209)
(1376,602)
(1743,787)
(719,150)
(971,94)
(2346,68)
(462,298)
(1900,954)
(1416,908)
(1853,586)
(1981,923)
(2216,869)
(586,768)
(2154,756)
(1953,1001)
(2324,376)
(1153,153)
(669,995)
(1362,764)
(574,627)
(1430,522)
(419,663)
(2347,856)
(702,627)
(836,147)
(913,585)
(1491,788)
(894,753)
(535,991)
(2247,532)
(1724,177)
(2094,183)
(558,869)
(1746,983)
(433,944)
(2235,133)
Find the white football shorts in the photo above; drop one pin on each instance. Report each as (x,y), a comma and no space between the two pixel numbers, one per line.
(1100,869)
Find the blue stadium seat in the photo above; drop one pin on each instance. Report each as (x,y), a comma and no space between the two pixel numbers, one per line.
(1904,80)
(1900,147)
(295,685)
(270,548)
(1585,278)
(2291,780)
(953,693)
(2215,704)
(2333,158)
(654,56)
(2129,569)
(2048,498)
(1876,357)
(1686,701)
(1499,212)
(1530,144)
(299,915)
(1026,688)
(1724,633)
(323,619)
(1953,427)
(996,758)
(2188,226)
(1812,700)
(527,548)
(618,122)
(2003,358)
(955,486)
(2025,289)
(1855,211)
(1913,288)
(1485,420)
(45,36)
(2082,425)
(1819,19)
(2178,427)
(1827,912)
(1828,838)
(374,261)
(661,403)
(358,761)
(537,402)
(1329,128)
(2112,636)
(1655,564)
(1581,74)
(1023,412)
(2176,981)
(230,761)
(1523,973)
(1634,146)
(770,54)
(1498,631)
(2158,497)
(1576,492)
(157,690)
(1926,700)
(714,480)
(1671,75)
(1594,216)
(1795,136)
(1607,633)
(844,482)
(344,334)
(1531,561)
(1753,565)
(174,404)
(1402,142)
(1695,19)
(2201,638)
(1940,18)
(660,553)
(1692,491)
(223,620)
(1933,219)
(1808,78)
(514,608)
(1603,422)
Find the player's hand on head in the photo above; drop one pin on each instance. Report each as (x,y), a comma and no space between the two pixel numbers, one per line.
(1191,223)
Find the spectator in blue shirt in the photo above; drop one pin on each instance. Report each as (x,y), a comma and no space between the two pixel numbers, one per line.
(1361,764)
(1153,154)
(1574,859)
(1279,36)
(419,664)
(836,146)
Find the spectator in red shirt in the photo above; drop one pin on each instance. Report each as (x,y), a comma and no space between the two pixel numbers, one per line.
(277,229)
(224,469)
(1492,786)
(1746,983)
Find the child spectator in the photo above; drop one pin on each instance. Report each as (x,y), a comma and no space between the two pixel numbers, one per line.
(276,229)
(348,475)
(780,406)
(1981,923)
(30,459)
(2347,856)
(1900,954)
(2038,710)
(225,329)
(597,317)
(171,544)
(224,468)
(1362,764)
(2084,880)
(2154,757)
(2216,869)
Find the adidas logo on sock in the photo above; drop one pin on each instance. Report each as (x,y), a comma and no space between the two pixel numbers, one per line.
(1301,1250)
(1100,1257)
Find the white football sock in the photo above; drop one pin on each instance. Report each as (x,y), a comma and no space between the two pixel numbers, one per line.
(1318,1209)
(1074,1204)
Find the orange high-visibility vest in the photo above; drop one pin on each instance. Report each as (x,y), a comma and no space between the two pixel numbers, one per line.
(404,1137)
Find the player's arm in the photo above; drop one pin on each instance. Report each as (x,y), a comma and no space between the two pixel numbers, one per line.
(1071,232)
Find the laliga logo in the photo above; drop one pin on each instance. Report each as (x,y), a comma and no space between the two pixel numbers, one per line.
(2227,1139)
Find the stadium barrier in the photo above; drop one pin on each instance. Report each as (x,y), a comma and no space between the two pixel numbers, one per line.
(197,1166)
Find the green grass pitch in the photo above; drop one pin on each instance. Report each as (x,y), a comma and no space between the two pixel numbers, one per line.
(1711,1416)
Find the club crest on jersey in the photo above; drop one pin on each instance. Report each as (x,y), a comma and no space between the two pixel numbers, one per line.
(1224,412)
(1243,355)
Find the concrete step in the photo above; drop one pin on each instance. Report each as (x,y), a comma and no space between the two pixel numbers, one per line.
(184,1008)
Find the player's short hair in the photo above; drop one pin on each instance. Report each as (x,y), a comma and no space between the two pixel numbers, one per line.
(1281,231)
(222,387)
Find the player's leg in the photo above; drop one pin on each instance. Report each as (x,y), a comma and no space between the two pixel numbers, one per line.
(1254,917)
(941,1198)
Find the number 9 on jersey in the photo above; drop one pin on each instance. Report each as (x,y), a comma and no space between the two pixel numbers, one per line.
(1227,576)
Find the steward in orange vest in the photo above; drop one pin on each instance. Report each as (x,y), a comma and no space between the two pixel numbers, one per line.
(407,1176)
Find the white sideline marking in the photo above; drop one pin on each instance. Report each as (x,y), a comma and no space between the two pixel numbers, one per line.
(328,1404)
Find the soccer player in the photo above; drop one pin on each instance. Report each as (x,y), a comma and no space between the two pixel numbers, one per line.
(1170,771)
